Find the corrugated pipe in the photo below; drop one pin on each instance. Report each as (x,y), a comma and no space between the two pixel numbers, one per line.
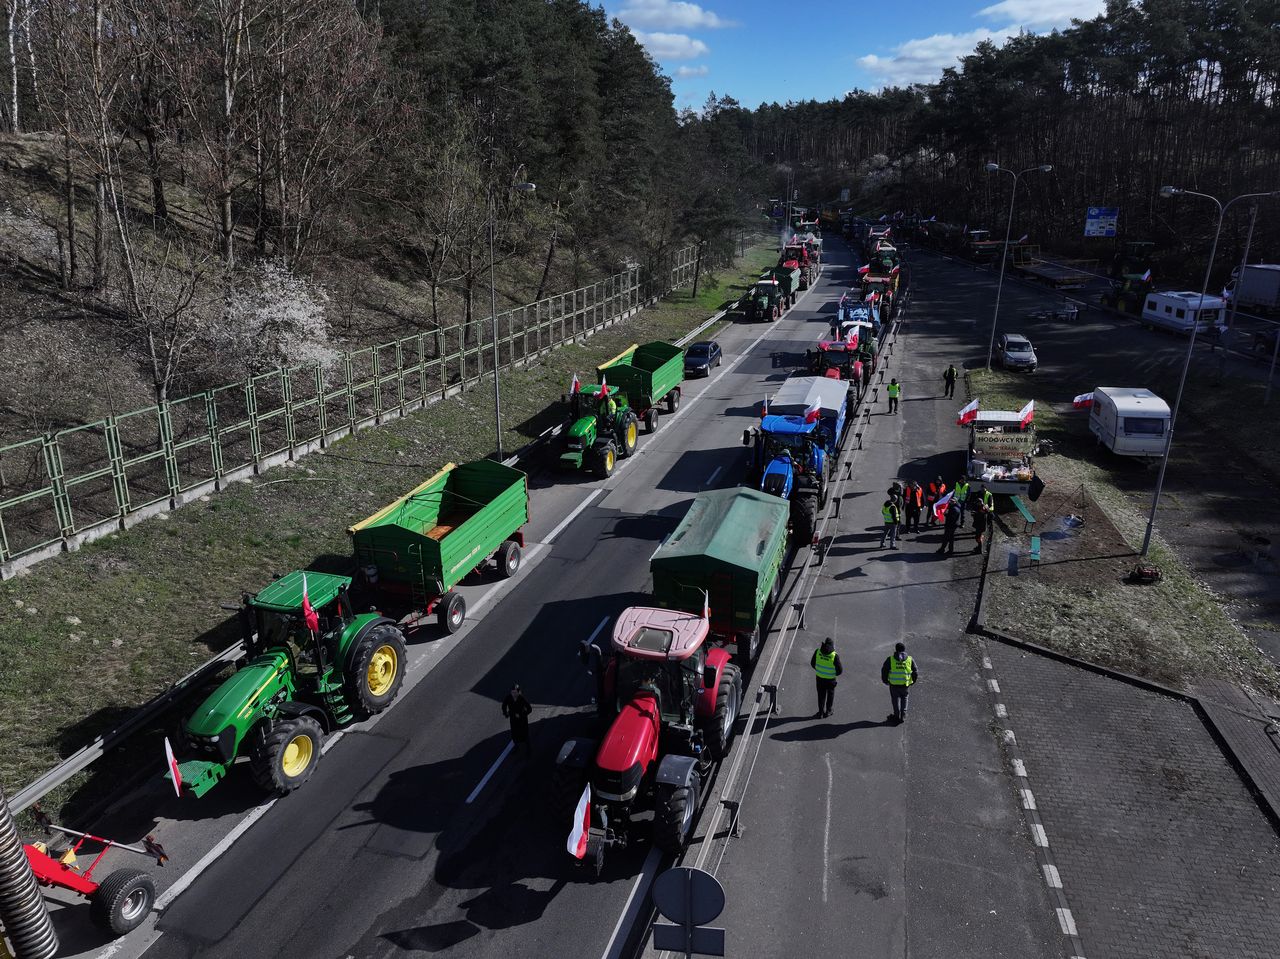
(22,910)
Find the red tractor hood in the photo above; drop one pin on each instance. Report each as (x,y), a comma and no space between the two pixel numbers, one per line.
(631,744)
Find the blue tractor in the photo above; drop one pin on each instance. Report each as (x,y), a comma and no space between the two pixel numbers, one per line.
(789,459)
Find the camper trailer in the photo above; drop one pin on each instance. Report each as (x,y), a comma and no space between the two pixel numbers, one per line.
(1129,421)
(1178,311)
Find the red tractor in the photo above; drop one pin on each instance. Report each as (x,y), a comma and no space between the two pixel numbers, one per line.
(671,703)
(797,252)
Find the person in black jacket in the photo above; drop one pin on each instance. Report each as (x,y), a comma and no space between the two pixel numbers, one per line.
(826,667)
(517,709)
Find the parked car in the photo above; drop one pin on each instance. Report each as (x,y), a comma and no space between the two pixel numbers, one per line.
(1016,353)
(701,357)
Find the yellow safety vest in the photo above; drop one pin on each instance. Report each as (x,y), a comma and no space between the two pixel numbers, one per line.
(824,664)
(899,672)
(987,499)
(894,390)
(890,513)
(962,492)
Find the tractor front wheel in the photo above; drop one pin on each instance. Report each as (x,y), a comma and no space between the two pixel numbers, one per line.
(377,670)
(651,420)
(605,461)
(673,818)
(452,611)
(509,559)
(288,755)
(718,733)
(629,435)
(122,901)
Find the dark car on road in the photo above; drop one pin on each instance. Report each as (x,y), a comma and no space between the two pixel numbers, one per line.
(701,357)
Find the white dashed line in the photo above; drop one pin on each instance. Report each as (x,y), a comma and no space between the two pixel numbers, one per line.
(1019,769)
(1028,799)
(1051,877)
(986,662)
(993,686)
(489,775)
(1067,922)
(1001,712)
(1009,737)
(1038,835)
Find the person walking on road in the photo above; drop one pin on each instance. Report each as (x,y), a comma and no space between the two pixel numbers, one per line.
(949,523)
(517,709)
(899,673)
(891,515)
(949,381)
(961,499)
(914,503)
(826,667)
(894,390)
(980,520)
(937,489)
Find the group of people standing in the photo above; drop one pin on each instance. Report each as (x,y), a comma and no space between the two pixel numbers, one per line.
(901,511)
(898,672)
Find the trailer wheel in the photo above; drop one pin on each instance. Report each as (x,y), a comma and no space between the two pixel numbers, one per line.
(718,731)
(452,611)
(377,670)
(629,435)
(509,558)
(748,647)
(606,460)
(673,818)
(673,400)
(288,755)
(651,420)
(122,901)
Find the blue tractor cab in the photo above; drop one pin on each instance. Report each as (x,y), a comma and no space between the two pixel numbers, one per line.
(789,460)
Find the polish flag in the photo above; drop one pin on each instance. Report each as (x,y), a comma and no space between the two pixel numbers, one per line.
(1146,277)
(174,771)
(894,270)
(309,615)
(1026,413)
(852,337)
(813,412)
(865,268)
(604,387)
(575,385)
(940,507)
(706,605)
(968,414)
(577,844)
(764,410)
(1083,401)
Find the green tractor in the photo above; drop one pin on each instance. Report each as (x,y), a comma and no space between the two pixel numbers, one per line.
(764,299)
(295,685)
(601,426)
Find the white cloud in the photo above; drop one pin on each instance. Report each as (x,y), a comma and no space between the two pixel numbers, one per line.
(672,46)
(1042,14)
(923,60)
(699,71)
(669,15)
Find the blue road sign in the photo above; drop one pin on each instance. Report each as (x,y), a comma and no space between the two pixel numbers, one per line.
(1101,221)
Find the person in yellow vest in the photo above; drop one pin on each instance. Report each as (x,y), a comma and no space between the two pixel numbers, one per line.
(894,389)
(891,516)
(961,497)
(899,673)
(826,667)
(988,501)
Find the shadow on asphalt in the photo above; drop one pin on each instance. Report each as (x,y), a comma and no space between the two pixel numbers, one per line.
(826,730)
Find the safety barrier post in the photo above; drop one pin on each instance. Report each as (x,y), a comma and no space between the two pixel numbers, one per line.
(57,484)
(215,440)
(165,420)
(115,457)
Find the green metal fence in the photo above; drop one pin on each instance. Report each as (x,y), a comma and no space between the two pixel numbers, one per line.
(60,490)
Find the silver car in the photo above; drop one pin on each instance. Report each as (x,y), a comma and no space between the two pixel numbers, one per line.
(1017,353)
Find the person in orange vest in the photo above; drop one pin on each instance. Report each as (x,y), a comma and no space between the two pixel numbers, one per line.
(937,489)
(914,501)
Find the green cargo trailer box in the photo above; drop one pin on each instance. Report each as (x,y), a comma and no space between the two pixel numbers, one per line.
(732,543)
(425,542)
(647,373)
(789,280)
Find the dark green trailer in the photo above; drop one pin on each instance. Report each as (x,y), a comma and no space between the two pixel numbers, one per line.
(732,544)
(649,373)
(789,282)
(418,548)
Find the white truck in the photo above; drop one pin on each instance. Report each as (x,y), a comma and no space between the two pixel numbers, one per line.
(1258,289)
(1000,452)
(1129,420)
(1179,311)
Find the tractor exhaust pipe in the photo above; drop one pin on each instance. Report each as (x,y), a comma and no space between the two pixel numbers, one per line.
(23,913)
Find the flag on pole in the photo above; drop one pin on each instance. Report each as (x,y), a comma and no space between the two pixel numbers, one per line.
(604,386)
(1146,277)
(575,385)
(940,507)
(309,615)
(577,844)
(764,410)
(932,218)
(1226,295)
(706,605)
(1083,401)
(894,270)
(812,412)
(968,414)
(1026,413)
(174,771)
(865,268)
(1022,239)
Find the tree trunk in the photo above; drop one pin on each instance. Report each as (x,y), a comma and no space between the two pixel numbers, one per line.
(697,270)
(69,196)
(159,205)
(99,231)
(546,266)
(12,31)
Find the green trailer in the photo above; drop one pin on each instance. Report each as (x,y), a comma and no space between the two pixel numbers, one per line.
(730,547)
(789,282)
(412,553)
(649,373)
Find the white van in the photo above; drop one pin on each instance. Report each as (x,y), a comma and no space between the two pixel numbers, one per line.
(1129,420)
(1177,311)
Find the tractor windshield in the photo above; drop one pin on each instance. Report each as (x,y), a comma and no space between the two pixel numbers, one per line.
(796,444)
(675,683)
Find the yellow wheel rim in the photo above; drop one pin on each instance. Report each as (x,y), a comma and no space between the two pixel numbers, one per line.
(608,460)
(631,435)
(297,755)
(383,666)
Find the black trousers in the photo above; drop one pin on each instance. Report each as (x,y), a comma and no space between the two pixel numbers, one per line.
(912,523)
(898,696)
(948,539)
(826,693)
(950,388)
(893,404)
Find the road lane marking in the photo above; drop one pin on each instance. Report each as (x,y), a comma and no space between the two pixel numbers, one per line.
(573,514)
(489,775)
(1067,922)
(826,834)
(712,478)
(1001,711)
(166,898)
(1038,835)
(613,950)
(993,685)
(1019,768)
(1028,799)
(1051,877)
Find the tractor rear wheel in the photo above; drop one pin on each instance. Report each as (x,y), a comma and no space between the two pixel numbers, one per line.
(673,818)
(651,420)
(606,459)
(122,901)
(804,520)
(509,558)
(629,435)
(718,732)
(377,670)
(452,611)
(673,400)
(288,755)
(748,647)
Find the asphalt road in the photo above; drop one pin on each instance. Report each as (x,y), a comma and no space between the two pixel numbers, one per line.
(416,836)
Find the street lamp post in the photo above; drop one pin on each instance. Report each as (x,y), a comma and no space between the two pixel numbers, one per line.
(1004,256)
(1167,192)
(493,309)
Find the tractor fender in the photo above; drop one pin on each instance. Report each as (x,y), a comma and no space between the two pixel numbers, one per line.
(292,709)
(357,630)
(677,771)
(706,702)
(576,753)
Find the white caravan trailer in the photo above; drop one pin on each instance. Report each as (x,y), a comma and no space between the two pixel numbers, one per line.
(1129,421)
(1178,311)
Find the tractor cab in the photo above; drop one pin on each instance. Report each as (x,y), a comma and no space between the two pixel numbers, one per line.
(788,447)
(764,302)
(588,435)
(275,616)
(660,654)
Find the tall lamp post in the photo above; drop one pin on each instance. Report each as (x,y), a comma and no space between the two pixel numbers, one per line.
(1166,192)
(1004,256)
(521,187)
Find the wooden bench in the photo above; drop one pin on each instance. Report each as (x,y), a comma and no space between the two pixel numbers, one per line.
(1035,550)
(1026,513)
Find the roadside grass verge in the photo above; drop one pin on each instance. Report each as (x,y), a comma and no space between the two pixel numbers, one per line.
(89,636)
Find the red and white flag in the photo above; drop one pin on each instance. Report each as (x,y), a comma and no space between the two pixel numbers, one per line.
(852,337)
(968,414)
(764,410)
(1083,401)
(577,844)
(894,270)
(865,268)
(574,384)
(1146,277)
(309,615)
(813,412)
(706,604)
(174,771)
(940,507)
(1026,414)
(604,386)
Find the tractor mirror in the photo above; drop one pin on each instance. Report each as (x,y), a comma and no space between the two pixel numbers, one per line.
(709,677)
(746,437)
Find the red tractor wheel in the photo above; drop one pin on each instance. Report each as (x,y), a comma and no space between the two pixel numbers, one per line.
(122,901)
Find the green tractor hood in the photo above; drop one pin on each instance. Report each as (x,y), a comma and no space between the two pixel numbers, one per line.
(578,439)
(236,701)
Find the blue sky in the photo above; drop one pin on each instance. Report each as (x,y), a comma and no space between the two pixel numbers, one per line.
(760,51)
